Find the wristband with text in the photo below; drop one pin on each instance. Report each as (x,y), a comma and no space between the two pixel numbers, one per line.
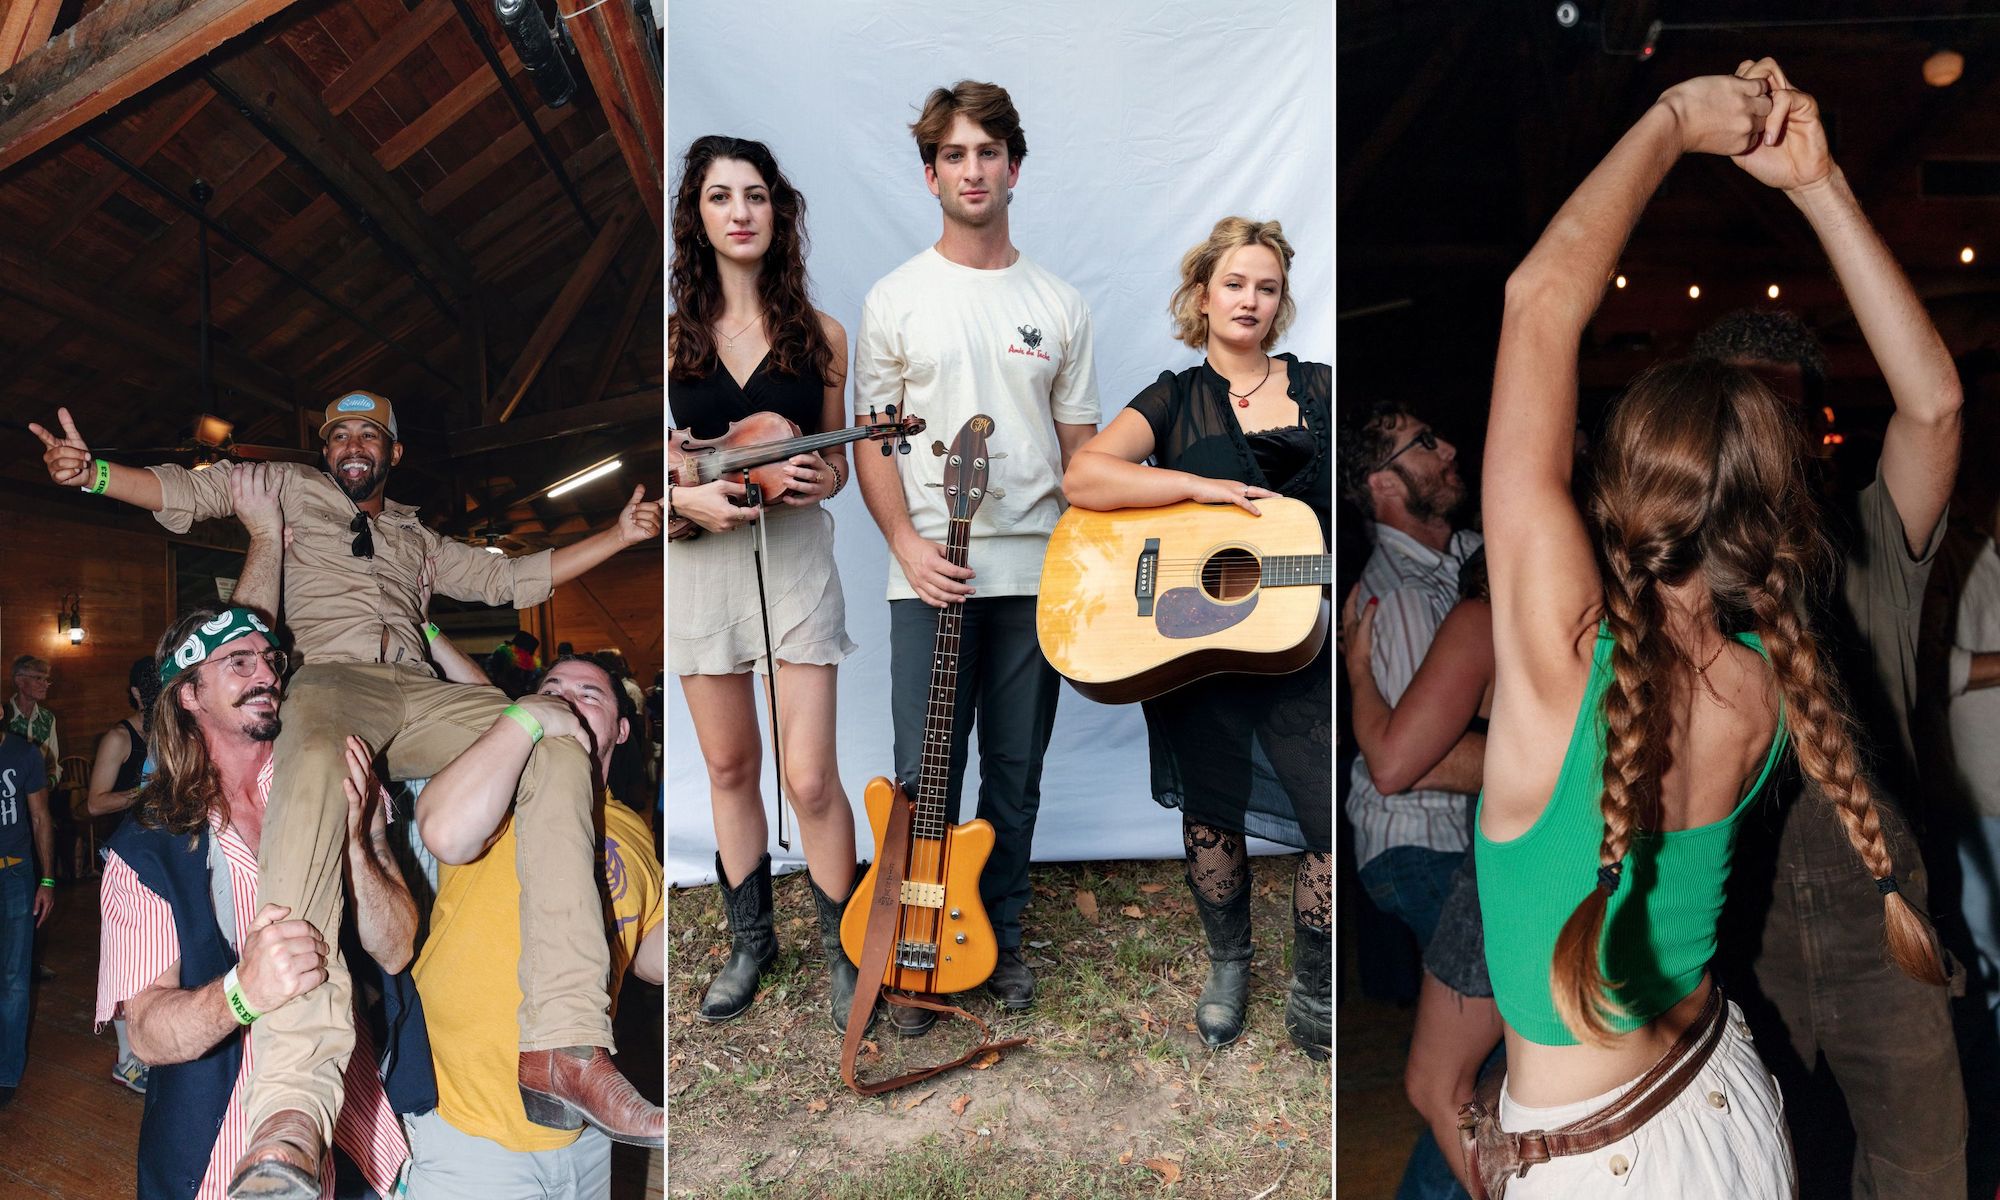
(48,883)
(101,479)
(232,988)
(430,632)
(525,720)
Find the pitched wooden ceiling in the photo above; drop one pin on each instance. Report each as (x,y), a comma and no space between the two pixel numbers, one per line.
(1464,125)
(380,216)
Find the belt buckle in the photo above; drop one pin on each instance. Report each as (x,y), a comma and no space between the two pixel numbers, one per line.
(1530,1148)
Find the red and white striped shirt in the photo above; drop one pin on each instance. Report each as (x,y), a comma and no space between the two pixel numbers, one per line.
(139,943)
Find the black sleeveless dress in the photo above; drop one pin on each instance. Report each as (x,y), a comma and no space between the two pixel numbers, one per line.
(1248,753)
(713,625)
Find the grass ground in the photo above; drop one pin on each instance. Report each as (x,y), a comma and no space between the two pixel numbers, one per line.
(1115,1097)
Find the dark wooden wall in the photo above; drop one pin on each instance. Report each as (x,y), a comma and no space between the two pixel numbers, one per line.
(618,606)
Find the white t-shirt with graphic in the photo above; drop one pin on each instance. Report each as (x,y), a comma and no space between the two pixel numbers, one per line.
(946,342)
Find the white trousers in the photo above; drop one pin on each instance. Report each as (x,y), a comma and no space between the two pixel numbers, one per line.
(1722,1138)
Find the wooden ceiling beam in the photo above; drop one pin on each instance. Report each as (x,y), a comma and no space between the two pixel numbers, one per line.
(54,287)
(386,55)
(114,53)
(280,99)
(502,151)
(24,28)
(644,280)
(556,322)
(627,81)
(154,132)
(563,422)
(452,106)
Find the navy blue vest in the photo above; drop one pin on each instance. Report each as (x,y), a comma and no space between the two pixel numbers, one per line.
(186,1102)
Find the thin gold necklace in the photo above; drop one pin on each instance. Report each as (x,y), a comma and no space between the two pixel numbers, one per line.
(730,338)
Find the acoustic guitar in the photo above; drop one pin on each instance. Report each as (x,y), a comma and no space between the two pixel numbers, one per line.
(1139,601)
(943,940)
(760,444)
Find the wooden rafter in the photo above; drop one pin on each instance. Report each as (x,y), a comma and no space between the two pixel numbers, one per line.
(563,422)
(444,114)
(24,27)
(281,100)
(627,645)
(643,282)
(384,56)
(556,322)
(475,170)
(627,82)
(158,128)
(114,53)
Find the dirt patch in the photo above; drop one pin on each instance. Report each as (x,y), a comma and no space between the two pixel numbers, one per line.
(1115,1096)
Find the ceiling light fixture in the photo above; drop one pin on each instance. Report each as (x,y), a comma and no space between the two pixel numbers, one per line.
(587,475)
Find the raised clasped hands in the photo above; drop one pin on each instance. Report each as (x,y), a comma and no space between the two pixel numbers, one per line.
(1793,152)
(66,457)
(1720,114)
(281,959)
(253,493)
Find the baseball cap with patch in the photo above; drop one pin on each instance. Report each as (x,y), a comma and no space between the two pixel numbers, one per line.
(360,406)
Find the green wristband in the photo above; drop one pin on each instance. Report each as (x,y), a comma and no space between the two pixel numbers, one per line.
(430,632)
(525,720)
(101,480)
(232,989)
(49,883)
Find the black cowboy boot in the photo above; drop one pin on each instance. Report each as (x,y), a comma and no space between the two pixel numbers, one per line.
(839,968)
(753,944)
(1309,1003)
(1219,1011)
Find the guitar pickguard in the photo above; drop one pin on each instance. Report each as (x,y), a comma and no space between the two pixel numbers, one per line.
(1189,613)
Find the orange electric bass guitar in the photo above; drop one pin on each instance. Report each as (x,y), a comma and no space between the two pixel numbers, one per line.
(1139,601)
(915,921)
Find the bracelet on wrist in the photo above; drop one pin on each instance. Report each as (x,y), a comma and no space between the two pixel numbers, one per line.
(526,720)
(232,990)
(431,632)
(100,477)
(47,882)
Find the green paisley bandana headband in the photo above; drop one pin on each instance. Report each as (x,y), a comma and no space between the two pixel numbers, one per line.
(225,627)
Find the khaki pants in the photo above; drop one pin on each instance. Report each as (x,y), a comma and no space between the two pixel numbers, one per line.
(301,1049)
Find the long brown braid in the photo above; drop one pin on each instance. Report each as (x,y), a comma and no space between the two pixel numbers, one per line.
(1701,469)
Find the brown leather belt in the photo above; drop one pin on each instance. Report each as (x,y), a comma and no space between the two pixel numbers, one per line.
(1493,1156)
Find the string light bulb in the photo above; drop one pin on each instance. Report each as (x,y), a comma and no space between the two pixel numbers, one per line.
(1694,291)
(1772,291)
(1966,256)
(1619,283)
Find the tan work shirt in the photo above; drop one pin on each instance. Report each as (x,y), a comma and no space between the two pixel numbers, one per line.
(346,609)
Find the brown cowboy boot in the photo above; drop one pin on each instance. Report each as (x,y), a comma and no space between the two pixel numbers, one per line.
(561,1089)
(282,1160)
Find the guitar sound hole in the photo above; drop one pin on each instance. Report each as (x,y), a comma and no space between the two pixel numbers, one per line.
(1230,574)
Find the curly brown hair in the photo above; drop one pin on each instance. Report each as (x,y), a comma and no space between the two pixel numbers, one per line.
(798,342)
(1702,470)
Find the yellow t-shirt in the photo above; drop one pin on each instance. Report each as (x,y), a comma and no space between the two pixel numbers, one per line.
(471,993)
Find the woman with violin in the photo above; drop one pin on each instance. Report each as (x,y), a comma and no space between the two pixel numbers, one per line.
(1238,754)
(744,341)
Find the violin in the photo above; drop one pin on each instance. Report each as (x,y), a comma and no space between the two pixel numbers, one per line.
(754,450)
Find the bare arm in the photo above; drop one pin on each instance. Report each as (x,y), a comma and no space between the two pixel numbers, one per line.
(1920,447)
(111,751)
(1072,437)
(384,914)
(253,490)
(1462,769)
(931,575)
(814,477)
(638,522)
(650,961)
(456,666)
(69,463)
(460,810)
(1109,471)
(169,1024)
(45,851)
(1403,742)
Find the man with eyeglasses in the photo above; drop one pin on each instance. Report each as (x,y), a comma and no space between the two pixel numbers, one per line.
(29,715)
(358,574)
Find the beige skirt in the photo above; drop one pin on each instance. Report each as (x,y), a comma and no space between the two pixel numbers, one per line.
(713,623)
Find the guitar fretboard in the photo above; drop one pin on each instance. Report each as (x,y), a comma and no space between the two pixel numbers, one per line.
(928,818)
(1297,570)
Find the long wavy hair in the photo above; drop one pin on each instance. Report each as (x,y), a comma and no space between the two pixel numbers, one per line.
(1702,470)
(798,344)
(184,784)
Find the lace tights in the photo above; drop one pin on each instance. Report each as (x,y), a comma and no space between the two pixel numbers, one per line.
(1218,866)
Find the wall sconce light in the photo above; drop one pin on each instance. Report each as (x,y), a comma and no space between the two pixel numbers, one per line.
(69,617)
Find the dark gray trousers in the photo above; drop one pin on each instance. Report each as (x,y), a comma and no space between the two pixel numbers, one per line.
(1009,689)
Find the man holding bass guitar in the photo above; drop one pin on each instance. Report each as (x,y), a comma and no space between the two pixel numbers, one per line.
(971,326)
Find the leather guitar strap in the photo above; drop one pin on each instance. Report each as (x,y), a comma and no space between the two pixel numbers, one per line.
(876,944)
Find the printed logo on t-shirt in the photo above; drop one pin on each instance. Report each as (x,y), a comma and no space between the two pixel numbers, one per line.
(10,805)
(615,879)
(1033,337)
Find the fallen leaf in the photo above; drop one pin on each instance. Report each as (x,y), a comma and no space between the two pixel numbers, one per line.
(1168,1170)
(958,1105)
(869,1047)
(1152,888)
(1133,911)
(919,1100)
(1086,903)
(815,1106)
(1254,1067)
(985,1060)
(1125,1159)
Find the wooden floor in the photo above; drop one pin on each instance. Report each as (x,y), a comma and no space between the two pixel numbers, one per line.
(72,1132)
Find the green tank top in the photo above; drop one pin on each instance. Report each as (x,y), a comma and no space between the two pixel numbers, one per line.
(1659,930)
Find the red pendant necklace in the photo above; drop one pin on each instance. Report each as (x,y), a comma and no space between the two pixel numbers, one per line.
(1243,400)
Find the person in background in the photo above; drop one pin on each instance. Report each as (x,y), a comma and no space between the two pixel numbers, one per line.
(29,715)
(1238,754)
(116,771)
(27,893)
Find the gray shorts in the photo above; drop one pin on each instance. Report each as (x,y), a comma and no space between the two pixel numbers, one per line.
(1457,953)
(446,1163)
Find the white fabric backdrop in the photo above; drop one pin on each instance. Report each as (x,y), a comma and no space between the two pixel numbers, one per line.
(1146,121)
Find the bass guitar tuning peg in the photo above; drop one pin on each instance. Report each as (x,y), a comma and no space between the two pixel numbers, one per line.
(903,446)
(937,449)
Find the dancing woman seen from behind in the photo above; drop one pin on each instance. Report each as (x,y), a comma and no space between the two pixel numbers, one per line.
(1655,659)
(744,338)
